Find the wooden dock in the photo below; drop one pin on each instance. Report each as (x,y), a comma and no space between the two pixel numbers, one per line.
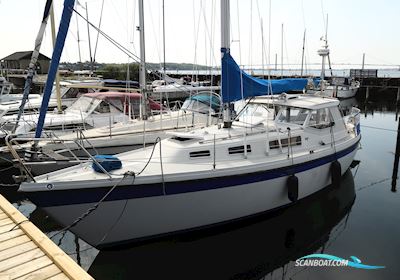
(27,253)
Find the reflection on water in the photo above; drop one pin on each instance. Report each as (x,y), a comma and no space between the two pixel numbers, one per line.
(331,221)
(250,251)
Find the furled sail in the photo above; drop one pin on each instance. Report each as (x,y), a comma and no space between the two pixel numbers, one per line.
(34,58)
(55,60)
(235,82)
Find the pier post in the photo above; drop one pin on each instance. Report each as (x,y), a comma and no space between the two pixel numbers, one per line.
(363,60)
(398,96)
(367,94)
(396,158)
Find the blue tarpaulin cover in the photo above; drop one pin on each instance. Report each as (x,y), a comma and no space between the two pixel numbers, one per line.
(232,77)
(108,162)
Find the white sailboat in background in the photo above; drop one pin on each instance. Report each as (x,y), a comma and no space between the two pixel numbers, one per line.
(90,110)
(339,88)
(198,111)
(207,176)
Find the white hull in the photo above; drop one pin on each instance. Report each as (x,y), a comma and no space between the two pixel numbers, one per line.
(342,92)
(134,219)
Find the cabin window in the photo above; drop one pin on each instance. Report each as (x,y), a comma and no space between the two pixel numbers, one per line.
(320,119)
(205,153)
(102,108)
(294,141)
(71,93)
(293,115)
(26,111)
(238,150)
(65,127)
(181,139)
(7,126)
(116,105)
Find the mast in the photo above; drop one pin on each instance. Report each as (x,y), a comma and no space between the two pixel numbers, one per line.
(164,67)
(324,52)
(225,49)
(78,39)
(55,60)
(282,53)
(142,73)
(269,38)
(90,45)
(262,47)
(32,64)
(302,54)
(53,36)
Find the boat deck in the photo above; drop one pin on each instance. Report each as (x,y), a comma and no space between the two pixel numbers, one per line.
(27,253)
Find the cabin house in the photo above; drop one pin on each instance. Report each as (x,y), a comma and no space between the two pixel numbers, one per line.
(21,60)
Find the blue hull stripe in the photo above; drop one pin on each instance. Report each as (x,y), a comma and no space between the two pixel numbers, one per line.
(93,195)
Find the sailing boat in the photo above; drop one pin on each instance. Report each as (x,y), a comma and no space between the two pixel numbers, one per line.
(346,88)
(205,177)
(51,154)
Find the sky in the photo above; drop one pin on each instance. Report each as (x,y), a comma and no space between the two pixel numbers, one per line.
(193,31)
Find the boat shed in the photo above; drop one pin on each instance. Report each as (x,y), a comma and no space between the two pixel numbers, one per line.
(21,60)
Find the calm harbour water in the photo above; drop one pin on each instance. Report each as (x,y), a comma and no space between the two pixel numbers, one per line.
(361,218)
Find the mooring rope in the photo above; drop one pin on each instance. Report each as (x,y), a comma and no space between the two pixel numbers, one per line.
(95,206)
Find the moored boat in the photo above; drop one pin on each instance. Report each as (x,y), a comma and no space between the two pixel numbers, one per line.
(249,165)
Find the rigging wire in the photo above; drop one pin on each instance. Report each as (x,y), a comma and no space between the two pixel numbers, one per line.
(251,37)
(122,48)
(98,34)
(209,36)
(157,43)
(196,32)
(238,23)
(323,14)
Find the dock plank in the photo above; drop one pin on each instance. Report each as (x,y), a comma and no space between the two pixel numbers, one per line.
(6,221)
(4,276)
(2,216)
(60,276)
(20,259)
(17,250)
(34,265)
(43,273)
(6,228)
(11,234)
(14,242)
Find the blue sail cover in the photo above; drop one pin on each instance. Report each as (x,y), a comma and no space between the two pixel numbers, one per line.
(232,77)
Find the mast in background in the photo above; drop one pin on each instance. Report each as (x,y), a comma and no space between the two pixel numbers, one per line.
(164,66)
(53,36)
(225,49)
(142,73)
(78,39)
(282,53)
(302,54)
(324,52)
(90,45)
